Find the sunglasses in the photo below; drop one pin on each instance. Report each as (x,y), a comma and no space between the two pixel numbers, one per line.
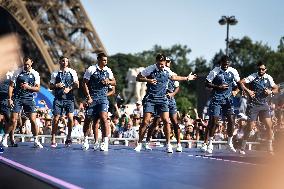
(261,69)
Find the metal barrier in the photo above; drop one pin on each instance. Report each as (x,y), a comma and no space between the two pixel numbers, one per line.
(125,141)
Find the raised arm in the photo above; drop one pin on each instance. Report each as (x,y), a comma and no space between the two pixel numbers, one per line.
(184,78)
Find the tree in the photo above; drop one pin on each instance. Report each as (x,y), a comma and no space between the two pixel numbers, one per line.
(244,54)
(184,104)
(201,66)
(281,45)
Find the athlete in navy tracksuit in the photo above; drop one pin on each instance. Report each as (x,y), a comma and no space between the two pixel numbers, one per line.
(173,88)
(4,106)
(24,83)
(63,82)
(155,101)
(222,80)
(97,80)
(260,86)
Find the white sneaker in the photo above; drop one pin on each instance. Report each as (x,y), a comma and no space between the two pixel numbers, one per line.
(96,146)
(231,148)
(138,147)
(147,146)
(209,149)
(104,146)
(204,147)
(5,143)
(169,148)
(179,148)
(37,144)
(242,152)
(85,145)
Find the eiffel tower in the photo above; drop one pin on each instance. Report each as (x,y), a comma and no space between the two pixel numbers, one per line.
(49,29)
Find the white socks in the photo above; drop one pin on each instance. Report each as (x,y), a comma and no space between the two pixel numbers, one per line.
(5,136)
(230,140)
(210,143)
(105,140)
(36,138)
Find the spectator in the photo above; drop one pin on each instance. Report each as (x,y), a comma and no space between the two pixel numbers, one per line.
(138,109)
(115,121)
(77,129)
(158,132)
(47,125)
(239,131)
(219,135)
(189,133)
(27,127)
(136,121)
(62,130)
(129,131)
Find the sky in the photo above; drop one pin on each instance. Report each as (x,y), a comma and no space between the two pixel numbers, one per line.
(133,26)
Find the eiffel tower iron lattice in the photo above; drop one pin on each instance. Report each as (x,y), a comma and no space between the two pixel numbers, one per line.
(49,29)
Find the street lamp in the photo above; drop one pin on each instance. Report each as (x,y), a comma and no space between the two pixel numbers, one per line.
(229,20)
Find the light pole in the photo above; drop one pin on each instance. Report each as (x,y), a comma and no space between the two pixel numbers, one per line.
(229,20)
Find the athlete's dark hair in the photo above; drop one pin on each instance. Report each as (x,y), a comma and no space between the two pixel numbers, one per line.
(160,57)
(26,58)
(224,58)
(101,55)
(62,57)
(260,63)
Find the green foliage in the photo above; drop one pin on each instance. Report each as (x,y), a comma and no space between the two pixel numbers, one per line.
(184,104)
(281,45)
(275,66)
(201,66)
(120,63)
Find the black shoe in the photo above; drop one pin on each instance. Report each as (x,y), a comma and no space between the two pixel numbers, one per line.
(68,142)
(13,144)
(1,150)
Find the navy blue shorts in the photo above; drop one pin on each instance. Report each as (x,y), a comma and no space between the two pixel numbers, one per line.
(221,107)
(61,107)
(4,107)
(28,105)
(172,106)
(155,106)
(253,111)
(97,107)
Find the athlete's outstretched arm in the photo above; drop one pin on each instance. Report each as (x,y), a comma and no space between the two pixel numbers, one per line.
(184,78)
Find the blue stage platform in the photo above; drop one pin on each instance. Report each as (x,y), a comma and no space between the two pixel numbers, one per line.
(122,167)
